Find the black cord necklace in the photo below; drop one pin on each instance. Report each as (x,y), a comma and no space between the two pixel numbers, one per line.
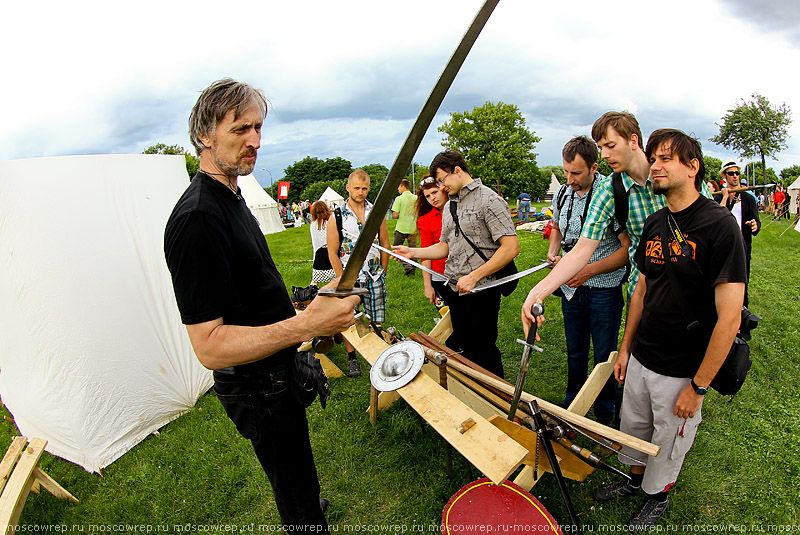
(229,185)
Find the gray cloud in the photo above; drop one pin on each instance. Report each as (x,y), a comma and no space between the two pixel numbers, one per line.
(781,16)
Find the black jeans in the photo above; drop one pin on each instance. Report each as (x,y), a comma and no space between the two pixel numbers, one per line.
(474,318)
(262,407)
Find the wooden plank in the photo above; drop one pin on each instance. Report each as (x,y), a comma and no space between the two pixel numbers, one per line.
(443,329)
(52,486)
(373,405)
(575,419)
(571,467)
(330,369)
(525,478)
(19,485)
(10,459)
(488,449)
(594,384)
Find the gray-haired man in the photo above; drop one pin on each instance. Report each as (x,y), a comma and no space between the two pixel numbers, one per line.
(234,303)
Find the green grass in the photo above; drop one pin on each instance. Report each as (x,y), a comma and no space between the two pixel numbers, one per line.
(743,469)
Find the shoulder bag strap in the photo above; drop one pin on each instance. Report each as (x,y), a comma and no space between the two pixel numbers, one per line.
(688,317)
(454,214)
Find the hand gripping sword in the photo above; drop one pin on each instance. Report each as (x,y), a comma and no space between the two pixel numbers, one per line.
(403,160)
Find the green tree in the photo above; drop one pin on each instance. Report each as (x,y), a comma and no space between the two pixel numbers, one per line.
(712,168)
(790,174)
(603,167)
(557,170)
(754,175)
(497,146)
(192,161)
(310,169)
(755,128)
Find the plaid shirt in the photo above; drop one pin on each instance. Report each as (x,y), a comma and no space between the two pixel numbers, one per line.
(642,202)
(572,229)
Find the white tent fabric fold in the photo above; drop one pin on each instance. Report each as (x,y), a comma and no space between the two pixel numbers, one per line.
(552,189)
(331,197)
(793,192)
(263,206)
(93,355)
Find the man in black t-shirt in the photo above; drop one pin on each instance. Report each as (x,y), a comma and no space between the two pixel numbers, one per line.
(683,318)
(234,303)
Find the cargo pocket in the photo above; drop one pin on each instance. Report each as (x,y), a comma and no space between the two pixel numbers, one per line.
(684,436)
(240,409)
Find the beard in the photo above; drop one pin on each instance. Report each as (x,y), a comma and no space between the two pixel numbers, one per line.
(238,169)
(660,190)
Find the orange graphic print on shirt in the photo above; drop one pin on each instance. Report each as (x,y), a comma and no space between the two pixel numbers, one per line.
(655,254)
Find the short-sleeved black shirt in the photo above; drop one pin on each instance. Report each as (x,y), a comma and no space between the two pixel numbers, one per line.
(219,260)
(662,343)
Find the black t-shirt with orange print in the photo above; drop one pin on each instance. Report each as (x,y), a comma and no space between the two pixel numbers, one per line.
(662,343)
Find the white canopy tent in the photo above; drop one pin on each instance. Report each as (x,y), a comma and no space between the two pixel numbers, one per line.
(332,198)
(93,355)
(793,192)
(553,188)
(263,206)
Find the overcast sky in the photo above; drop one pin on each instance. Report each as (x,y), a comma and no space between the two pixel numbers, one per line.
(347,78)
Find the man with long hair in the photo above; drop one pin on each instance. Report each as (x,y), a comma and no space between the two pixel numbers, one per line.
(234,304)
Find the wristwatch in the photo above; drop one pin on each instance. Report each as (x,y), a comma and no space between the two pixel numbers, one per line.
(699,390)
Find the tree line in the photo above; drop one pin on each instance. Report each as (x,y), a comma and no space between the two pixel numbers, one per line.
(499,148)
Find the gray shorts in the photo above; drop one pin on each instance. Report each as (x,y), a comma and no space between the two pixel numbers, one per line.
(647,413)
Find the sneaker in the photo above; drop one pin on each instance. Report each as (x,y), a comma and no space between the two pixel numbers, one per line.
(619,489)
(324,503)
(649,515)
(352,368)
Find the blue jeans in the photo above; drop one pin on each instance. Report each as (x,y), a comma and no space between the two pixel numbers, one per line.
(524,210)
(259,402)
(593,314)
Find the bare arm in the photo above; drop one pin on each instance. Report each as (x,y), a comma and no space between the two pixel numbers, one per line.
(615,260)
(218,345)
(383,238)
(430,293)
(728,297)
(631,325)
(569,265)
(333,246)
(509,249)
(432,252)
(555,244)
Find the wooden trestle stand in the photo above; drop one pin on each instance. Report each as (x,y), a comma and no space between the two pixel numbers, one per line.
(19,475)
(467,405)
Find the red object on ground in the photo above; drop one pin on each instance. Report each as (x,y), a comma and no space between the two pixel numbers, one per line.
(483,507)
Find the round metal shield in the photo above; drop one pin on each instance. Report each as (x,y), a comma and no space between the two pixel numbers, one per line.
(397,366)
(483,507)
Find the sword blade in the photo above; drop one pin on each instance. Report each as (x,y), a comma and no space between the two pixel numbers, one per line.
(509,278)
(409,148)
(434,274)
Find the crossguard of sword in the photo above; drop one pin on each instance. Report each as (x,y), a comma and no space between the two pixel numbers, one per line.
(335,292)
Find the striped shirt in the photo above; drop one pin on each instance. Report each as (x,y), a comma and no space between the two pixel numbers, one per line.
(642,202)
(572,229)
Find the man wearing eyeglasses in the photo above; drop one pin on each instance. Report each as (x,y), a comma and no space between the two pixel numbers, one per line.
(744,208)
(485,220)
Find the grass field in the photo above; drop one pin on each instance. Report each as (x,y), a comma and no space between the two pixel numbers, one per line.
(198,474)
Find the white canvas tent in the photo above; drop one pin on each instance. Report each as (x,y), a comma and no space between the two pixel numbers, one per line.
(93,356)
(332,198)
(553,188)
(793,192)
(263,206)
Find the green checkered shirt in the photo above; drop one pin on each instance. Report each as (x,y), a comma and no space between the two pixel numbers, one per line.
(642,202)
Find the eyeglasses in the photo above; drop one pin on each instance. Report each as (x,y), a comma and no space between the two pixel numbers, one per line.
(732,173)
(441,180)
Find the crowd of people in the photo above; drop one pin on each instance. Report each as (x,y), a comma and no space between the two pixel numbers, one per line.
(652,223)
